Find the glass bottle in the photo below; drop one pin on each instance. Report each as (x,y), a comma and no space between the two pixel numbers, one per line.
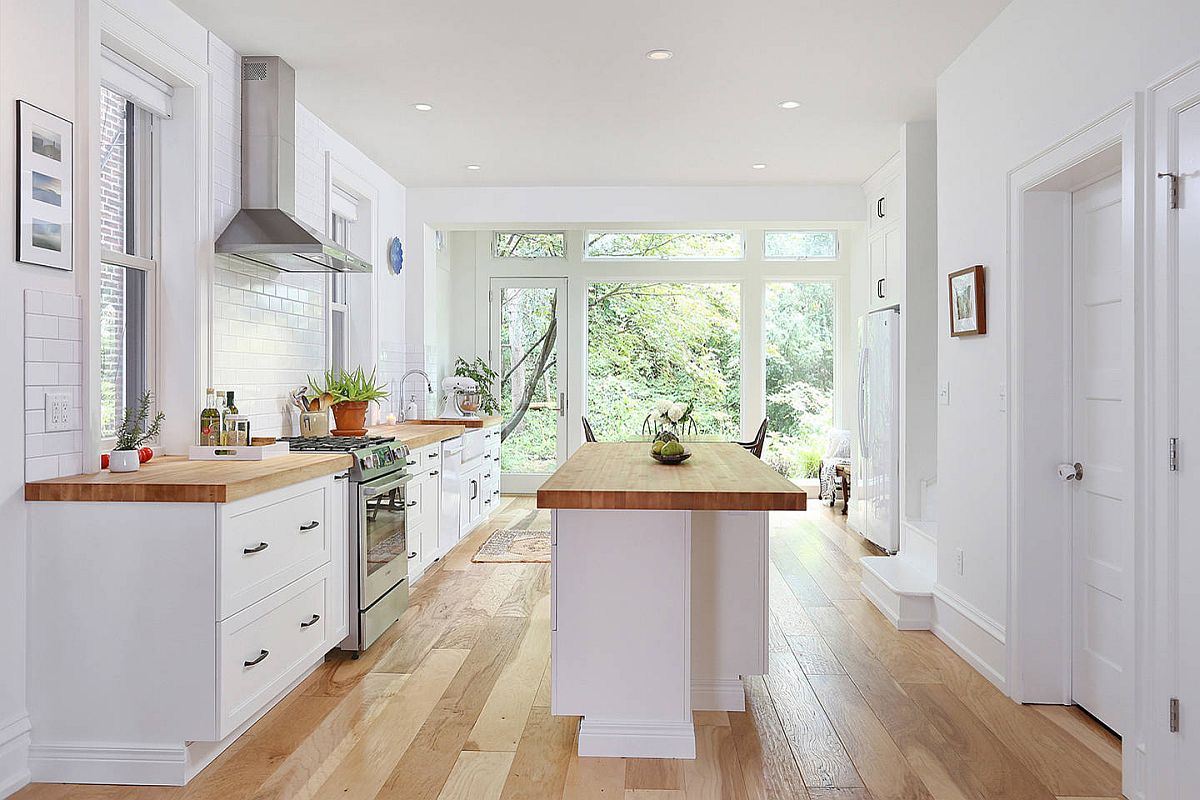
(221,411)
(210,421)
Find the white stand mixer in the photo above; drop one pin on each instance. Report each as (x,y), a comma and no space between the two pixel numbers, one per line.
(460,398)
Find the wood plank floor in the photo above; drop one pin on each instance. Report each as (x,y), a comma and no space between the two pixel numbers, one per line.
(453,704)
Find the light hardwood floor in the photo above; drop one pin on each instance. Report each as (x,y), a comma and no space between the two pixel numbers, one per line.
(453,703)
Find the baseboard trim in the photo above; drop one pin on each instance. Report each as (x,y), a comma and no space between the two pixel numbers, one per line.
(14,754)
(718,694)
(633,739)
(975,636)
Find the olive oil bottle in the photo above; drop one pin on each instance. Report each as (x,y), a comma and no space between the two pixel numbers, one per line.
(210,421)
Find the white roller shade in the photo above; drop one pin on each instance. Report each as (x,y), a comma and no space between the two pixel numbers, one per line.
(135,84)
(342,203)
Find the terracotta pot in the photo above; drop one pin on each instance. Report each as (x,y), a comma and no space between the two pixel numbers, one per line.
(350,418)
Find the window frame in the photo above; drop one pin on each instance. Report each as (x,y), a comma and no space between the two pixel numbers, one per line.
(144,217)
(339,301)
(498,257)
(589,233)
(837,244)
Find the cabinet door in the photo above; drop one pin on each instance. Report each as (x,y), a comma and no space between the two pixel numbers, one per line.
(877,253)
(339,571)
(893,284)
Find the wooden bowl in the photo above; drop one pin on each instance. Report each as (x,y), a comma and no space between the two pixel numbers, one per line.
(679,459)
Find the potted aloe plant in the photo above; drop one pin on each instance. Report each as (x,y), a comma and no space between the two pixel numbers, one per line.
(349,394)
(132,434)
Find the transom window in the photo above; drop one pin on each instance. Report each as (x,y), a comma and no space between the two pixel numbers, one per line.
(800,245)
(128,222)
(665,245)
(529,244)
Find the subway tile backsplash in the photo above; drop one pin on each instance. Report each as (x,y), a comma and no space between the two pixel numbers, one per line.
(53,362)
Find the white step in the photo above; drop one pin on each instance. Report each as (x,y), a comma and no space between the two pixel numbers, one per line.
(901,589)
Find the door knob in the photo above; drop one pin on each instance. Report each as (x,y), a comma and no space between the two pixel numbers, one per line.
(1070,472)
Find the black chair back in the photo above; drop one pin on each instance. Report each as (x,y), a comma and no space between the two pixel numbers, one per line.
(588,436)
(755,445)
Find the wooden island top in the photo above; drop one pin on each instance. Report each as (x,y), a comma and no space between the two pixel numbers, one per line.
(466,422)
(720,476)
(175,479)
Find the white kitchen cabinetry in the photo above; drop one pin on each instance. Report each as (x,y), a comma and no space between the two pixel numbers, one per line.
(164,630)
(423,513)
(480,479)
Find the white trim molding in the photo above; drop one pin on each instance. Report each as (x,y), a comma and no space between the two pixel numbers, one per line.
(718,694)
(14,754)
(602,738)
(976,637)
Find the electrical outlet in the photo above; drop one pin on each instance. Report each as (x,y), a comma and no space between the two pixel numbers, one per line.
(58,411)
(944,393)
(958,560)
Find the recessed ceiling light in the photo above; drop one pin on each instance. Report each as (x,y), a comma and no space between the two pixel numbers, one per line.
(659,55)
(422,107)
(790,104)
(473,166)
(758,166)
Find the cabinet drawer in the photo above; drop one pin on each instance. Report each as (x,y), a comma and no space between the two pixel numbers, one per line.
(267,548)
(267,646)
(422,501)
(431,457)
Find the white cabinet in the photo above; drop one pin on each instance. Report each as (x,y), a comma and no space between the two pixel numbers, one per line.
(449,513)
(423,512)
(163,630)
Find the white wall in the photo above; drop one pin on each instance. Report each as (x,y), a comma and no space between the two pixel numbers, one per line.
(1041,71)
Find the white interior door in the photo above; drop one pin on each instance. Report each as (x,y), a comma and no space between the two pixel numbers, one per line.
(1101,439)
(528,352)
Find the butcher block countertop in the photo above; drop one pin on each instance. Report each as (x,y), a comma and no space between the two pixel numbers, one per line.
(416,435)
(466,422)
(174,479)
(720,476)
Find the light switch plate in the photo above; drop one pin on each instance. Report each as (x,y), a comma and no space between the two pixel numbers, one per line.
(58,411)
(944,393)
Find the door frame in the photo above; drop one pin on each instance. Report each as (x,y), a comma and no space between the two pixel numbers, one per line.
(1168,98)
(1038,643)
(528,483)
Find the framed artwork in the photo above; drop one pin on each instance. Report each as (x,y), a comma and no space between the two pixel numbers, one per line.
(968,302)
(44,188)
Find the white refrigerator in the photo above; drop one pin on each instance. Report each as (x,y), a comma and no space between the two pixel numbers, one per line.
(876,456)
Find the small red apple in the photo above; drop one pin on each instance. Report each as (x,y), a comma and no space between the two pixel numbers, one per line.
(104,461)
(145,454)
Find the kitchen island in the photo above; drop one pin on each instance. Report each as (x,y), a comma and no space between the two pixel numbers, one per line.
(659,590)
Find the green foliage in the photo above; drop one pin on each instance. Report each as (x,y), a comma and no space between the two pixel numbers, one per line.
(353,387)
(132,433)
(674,244)
(484,376)
(526,244)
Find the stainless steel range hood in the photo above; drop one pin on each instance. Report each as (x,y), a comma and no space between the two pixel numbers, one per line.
(266,230)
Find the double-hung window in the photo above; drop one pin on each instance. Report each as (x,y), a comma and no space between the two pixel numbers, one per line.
(342,217)
(130,102)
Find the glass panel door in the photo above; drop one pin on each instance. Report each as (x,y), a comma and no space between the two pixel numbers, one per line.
(528,354)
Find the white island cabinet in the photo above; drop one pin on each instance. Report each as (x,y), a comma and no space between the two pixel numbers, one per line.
(658,590)
(159,631)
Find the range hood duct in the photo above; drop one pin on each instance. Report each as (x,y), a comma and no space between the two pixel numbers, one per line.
(266,230)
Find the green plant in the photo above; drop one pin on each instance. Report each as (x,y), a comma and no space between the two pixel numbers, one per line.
(349,387)
(482,374)
(132,433)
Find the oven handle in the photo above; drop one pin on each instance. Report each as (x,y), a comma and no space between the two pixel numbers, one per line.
(374,490)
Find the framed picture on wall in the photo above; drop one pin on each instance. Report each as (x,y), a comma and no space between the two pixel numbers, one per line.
(44,188)
(968,302)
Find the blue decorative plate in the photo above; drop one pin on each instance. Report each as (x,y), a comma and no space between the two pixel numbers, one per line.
(396,255)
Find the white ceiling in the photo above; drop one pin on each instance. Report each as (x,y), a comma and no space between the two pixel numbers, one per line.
(554,92)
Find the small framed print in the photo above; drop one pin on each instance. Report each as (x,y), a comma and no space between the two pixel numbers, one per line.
(968,302)
(44,188)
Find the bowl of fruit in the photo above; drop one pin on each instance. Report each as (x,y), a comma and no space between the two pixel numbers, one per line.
(667,449)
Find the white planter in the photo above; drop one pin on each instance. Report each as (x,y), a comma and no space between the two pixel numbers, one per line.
(123,461)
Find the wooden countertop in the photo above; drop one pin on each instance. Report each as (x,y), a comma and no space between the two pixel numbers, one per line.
(416,434)
(174,479)
(720,476)
(466,422)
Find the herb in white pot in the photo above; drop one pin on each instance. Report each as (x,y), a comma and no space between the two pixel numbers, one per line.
(133,433)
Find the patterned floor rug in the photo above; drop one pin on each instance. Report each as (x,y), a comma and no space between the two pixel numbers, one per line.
(515,546)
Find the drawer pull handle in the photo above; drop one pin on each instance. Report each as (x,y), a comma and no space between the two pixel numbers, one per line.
(411,463)
(261,655)
(310,526)
(433,472)
(412,555)
(411,503)
(311,622)
(258,548)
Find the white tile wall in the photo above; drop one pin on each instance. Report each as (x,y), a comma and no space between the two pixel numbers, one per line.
(394,361)
(268,326)
(53,362)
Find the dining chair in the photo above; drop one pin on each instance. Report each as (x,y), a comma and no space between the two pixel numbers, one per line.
(755,445)
(588,436)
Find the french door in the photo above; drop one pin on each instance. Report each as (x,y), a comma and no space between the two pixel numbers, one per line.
(528,352)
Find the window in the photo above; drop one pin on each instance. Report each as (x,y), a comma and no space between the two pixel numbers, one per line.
(682,245)
(340,223)
(127,259)
(798,338)
(800,245)
(528,244)
(648,342)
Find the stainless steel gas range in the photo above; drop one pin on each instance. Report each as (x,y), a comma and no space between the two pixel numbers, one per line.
(379,550)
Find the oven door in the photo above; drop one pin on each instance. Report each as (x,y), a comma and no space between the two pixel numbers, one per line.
(382,541)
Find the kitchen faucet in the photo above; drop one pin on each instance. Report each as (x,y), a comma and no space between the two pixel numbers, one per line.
(423,374)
